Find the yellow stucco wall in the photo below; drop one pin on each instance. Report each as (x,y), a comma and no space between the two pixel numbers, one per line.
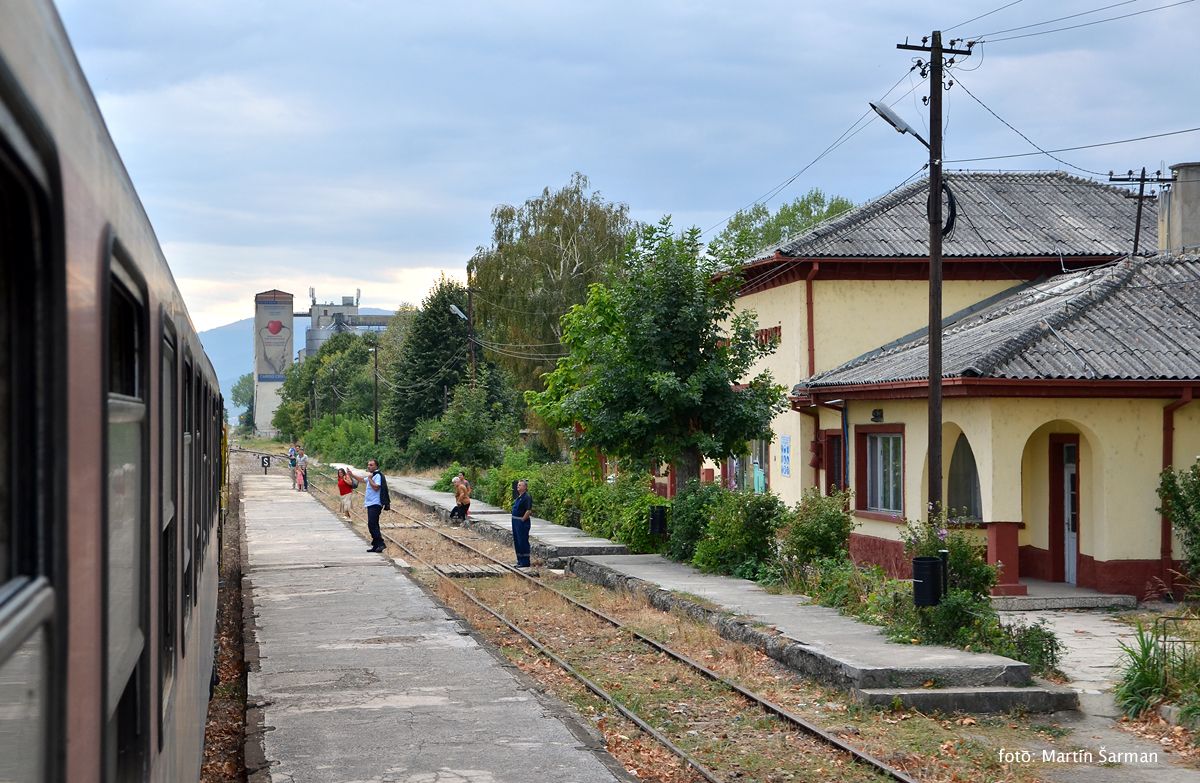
(1119,462)
(851,317)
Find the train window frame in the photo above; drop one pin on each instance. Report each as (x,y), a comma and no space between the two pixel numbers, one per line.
(126,400)
(32,602)
(168,646)
(185,513)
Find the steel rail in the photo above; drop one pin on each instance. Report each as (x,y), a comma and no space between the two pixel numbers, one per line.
(769,706)
(859,756)
(589,684)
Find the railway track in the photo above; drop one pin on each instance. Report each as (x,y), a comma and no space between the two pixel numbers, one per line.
(734,701)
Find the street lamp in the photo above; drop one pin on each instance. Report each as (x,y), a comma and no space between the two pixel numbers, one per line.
(935,263)
(375,391)
(470,332)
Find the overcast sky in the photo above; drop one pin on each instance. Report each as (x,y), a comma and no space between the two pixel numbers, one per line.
(364,143)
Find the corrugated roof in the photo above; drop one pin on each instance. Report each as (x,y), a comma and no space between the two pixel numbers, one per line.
(1001,214)
(1136,319)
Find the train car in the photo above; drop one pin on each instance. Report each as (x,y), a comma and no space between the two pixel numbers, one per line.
(110,447)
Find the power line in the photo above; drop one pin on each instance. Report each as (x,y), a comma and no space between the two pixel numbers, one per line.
(977,18)
(845,136)
(1072,149)
(1052,21)
(762,282)
(1022,135)
(1087,24)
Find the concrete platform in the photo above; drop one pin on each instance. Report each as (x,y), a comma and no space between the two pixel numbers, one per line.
(357,674)
(828,646)
(1060,595)
(548,541)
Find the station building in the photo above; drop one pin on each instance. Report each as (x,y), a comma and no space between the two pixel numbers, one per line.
(848,298)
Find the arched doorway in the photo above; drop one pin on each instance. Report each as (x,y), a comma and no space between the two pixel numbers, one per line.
(1061,505)
(963,496)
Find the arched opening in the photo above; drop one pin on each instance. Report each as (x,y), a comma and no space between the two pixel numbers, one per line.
(963,496)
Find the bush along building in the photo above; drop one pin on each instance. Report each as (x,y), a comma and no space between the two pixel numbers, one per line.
(1063,401)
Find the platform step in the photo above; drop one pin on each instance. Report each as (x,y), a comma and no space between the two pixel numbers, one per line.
(1029,603)
(1035,698)
(472,571)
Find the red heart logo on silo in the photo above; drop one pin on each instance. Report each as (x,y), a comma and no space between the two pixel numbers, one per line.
(274,326)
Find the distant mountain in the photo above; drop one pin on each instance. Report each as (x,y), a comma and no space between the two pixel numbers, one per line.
(231,350)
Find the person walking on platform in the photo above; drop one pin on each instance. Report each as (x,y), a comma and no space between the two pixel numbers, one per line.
(462,498)
(292,464)
(346,484)
(376,500)
(522,510)
(301,471)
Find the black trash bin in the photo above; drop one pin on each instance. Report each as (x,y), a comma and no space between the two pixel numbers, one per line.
(927,581)
(658,520)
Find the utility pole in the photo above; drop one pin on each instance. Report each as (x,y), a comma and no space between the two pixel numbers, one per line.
(936,68)
(471,331)
(1157,179)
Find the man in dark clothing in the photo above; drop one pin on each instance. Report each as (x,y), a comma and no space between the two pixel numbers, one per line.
(374,500)
(522,510)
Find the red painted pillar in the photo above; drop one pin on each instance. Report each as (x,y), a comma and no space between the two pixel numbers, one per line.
(1002,548)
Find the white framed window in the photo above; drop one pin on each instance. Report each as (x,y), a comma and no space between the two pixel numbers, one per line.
(885,472)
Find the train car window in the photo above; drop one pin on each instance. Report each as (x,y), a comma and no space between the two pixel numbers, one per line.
(26,598)
(168,555)
(198,485)
(185,505)
(125,529)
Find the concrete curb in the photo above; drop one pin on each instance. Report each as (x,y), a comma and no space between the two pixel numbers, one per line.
(994,689)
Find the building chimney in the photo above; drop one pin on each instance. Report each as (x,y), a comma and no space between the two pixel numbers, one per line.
(1179,210)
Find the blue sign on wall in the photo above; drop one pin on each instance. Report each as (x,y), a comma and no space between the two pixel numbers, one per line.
(785,455)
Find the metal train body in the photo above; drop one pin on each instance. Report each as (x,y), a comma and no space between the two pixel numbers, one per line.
(110,447)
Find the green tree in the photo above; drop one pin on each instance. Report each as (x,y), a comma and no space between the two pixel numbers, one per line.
(543,256)
(432,360)
(338,377)
(473,431)
(658,359)
(242,396)
(758,228)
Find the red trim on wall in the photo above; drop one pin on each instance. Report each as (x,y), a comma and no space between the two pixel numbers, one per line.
(884,552)
(999,387)
(779,270)
(808,306)
(861,431)
(1168,459)
(1035,563)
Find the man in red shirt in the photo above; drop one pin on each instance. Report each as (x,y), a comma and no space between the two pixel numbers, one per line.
(346,484)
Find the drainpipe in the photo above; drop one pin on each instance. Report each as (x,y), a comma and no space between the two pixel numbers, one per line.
(1168,458)
(808,300)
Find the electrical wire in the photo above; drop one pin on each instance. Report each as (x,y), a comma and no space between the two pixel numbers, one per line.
(1086,24)
(1023,136)
(1072,149)
(515,310)
(1050,21)
(850,132)
(783,268)
(977,18)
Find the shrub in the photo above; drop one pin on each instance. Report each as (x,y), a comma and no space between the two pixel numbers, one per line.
(969,568)
(1034,644)
(820,528)
(740,536)
(351,440)
(1143,682)
(690,511)
(443,483)
(1180,496)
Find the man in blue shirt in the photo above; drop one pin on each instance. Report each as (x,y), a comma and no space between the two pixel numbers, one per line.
(522,510)
(374,505)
